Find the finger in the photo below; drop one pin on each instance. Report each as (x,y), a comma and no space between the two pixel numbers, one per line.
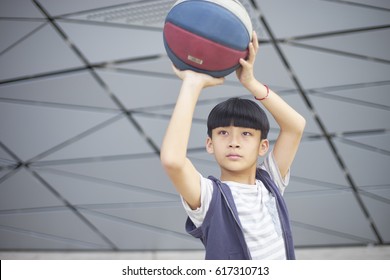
(222,80)
(243,62)
(174,68)
(255,41)
(252,53)
(177,72)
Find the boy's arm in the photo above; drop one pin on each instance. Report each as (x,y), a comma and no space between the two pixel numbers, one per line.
(291,126)
(291,123)
(174,148)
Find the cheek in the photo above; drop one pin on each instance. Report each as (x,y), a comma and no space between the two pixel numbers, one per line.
(214,146)
(256,148)
(217,149)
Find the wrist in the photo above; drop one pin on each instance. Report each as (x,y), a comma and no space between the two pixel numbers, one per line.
(249,84)
(190,91)
(193,85)
(262,96)
(258,90)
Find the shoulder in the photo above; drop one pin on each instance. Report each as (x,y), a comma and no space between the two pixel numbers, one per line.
(271,167)
(206,194)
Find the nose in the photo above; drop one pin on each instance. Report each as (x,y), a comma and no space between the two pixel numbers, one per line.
(234,146)
(234,143)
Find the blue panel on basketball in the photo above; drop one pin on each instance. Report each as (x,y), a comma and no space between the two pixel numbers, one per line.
(207,36)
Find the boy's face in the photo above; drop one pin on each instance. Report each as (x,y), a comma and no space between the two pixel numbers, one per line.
(236,148)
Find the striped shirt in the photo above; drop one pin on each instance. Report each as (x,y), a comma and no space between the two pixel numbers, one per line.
(256,209)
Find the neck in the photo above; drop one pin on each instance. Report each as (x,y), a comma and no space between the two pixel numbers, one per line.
(248,178)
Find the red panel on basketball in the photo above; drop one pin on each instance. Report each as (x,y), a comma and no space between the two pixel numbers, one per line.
(211,56)
(207,36)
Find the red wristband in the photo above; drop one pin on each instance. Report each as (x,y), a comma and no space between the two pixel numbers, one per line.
(265,97)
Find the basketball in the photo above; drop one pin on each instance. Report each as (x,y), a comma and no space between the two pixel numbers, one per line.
(207,36)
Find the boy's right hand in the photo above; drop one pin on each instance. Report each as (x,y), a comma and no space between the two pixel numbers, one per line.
(201,79)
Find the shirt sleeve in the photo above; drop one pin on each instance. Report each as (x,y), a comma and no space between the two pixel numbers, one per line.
(270,165)
(206,193)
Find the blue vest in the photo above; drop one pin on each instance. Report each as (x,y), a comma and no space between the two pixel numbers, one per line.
(221,231)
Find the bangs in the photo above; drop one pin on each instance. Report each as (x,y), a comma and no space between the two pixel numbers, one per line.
(240,113)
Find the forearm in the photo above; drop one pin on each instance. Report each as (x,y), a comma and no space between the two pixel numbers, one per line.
(291,125)
(287,118)
(175,143)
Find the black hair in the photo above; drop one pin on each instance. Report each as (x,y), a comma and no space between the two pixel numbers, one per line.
(238,112)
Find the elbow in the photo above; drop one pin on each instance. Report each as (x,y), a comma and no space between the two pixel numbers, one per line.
(298,127)
(301,124)
(170,162)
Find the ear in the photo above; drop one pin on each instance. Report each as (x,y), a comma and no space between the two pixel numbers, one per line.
(209,145)
(264,146)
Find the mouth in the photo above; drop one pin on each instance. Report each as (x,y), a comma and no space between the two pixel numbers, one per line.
(233,156)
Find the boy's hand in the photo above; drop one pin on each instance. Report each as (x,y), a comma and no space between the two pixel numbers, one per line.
(245,72)
(196,78)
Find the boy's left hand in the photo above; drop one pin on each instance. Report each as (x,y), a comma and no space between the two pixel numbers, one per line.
(245,72)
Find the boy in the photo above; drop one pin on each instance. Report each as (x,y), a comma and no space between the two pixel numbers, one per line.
(244,217)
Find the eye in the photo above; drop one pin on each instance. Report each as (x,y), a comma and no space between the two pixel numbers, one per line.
(247,133)
(223,132)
